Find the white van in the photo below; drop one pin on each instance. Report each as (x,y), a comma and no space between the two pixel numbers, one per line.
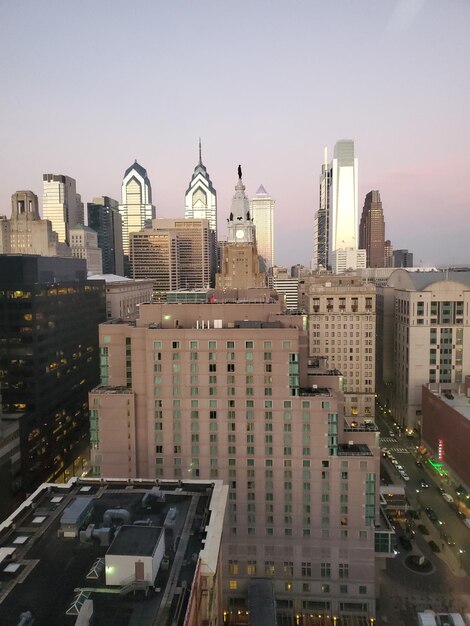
(467,522)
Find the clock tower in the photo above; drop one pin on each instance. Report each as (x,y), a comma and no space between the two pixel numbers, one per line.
(239,268)
(240,224)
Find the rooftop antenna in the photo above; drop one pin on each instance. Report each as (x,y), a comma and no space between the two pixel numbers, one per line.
(200,152)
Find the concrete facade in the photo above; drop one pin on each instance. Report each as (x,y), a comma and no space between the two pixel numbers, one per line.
(423,330)
(223,391)
(84,245)
(61,204)
(124,295)
(341,326)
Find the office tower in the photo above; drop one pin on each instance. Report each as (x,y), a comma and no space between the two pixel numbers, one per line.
(27,233)
(262,213)
(341,326)
(372,230)
(49,324)
(402,258)
(59,204)
(217,391)
(150,553)
(174,252)
(286,285)
(136,206)
(104,218)
(201,203)
(388,253)
(322,218)
(240,264)
(423,336)
(84,245)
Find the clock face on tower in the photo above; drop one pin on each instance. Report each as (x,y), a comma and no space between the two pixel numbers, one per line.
(240,234)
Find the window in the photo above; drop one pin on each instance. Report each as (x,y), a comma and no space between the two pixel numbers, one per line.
(306,569)
(343,570)
(251,568)
(325,570)
(288,568)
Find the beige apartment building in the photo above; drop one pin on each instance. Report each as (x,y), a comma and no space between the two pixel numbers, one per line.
(341,327)
(423,330)
(223,391)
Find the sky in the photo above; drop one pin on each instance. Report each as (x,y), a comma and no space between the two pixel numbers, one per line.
(89,86)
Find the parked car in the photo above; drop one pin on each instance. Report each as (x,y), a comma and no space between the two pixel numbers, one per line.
(467,522)
(391,433)
(447,497)
(448,539)
(423,529)
(423,484)
(419,464)
(431,513)
(434,547)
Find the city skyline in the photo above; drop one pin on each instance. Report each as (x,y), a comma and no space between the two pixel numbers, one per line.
(409,136)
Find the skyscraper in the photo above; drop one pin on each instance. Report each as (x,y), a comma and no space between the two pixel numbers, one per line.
(201,203)
(322,218)
(27,233)
(61,204)
(136,206)
(343,205)
(372,230)
(104,217)
(262,213)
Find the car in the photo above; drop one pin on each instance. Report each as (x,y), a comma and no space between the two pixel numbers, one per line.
(405,477)
(419,464)
(448,539)
(447,497)
(431,513)
(391,433)
(467,522)
(434,547)
(422,528)
(405,543)
(423,484)
(413,514)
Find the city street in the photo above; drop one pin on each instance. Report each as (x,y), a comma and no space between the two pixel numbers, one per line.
(403,591)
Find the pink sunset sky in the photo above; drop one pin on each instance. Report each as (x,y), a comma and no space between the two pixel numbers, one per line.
(87,87)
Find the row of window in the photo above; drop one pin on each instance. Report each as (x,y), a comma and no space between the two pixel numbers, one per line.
(212,345)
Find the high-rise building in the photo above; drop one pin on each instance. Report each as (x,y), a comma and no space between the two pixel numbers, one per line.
(336,221)
(423,336)
(341,327)
(49,316)
(232,397)
(402,258)
(136,206)
(105,219)
(286,285)
(388,253)
(372,230)
(262,213)
(201,203)
(322,218)
(27,233)
(61,204)
(240,263)
(343,190)
(175,252)
(84,245)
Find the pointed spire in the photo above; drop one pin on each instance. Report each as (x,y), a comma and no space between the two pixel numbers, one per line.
(200,152)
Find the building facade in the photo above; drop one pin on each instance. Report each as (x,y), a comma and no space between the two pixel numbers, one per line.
(341,327)
(372,230)
(280,280)
(105,219)
(201,203)
(402,258)
(322,218)
(174,252)
(224,392)
(136,206)
(49,358)
(423,336)
(262,213)
(240,267)
(84,245)
(26,233)
(124,295)
(60,204)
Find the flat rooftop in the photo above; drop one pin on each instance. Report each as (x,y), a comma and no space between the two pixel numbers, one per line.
(52,575)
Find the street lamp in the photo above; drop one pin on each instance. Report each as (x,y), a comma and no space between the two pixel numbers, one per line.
(460,557)
(418,500)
